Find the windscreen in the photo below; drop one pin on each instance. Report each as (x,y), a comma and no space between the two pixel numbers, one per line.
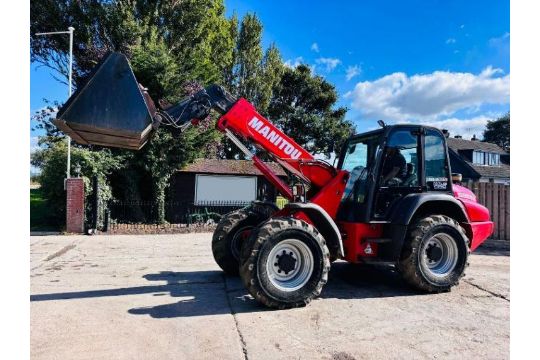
(359,158)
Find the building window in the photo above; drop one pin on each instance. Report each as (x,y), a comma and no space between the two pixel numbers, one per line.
(478,157)
(482,158)
(494,159)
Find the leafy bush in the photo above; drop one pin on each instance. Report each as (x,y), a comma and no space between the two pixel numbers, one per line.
(52,161)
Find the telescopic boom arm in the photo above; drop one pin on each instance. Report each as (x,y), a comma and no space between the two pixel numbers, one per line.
(241,119)
(112,109)
(196,107)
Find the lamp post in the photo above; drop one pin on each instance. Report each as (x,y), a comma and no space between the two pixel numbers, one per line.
(70,32)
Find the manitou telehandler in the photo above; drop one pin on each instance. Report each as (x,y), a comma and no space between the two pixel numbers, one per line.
(390,200)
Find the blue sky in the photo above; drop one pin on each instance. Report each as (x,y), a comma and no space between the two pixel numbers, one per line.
(445,63)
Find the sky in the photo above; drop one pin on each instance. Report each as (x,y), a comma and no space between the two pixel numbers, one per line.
(442,63)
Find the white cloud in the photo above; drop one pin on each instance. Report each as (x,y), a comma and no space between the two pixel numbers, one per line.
(501,45)
(329,63)
(451,41)
(293,63)
(353,71)
(496,41)
(464,127)
(315,47)
(490,71)
(428,96)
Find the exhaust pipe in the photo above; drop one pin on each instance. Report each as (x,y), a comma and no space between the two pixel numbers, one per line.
(112,109)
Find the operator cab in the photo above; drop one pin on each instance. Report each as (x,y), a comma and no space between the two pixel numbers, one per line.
(388,164)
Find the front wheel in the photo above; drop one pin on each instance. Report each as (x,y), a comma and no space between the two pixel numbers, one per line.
(232,230)
(435,254)
(285,263)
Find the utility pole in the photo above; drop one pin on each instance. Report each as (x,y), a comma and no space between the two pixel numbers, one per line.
(70,32)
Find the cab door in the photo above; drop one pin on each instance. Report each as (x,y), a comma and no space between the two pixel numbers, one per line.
(436,163)
(400,170)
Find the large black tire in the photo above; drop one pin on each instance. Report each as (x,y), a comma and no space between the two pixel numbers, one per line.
(435,254)
(259,260)
(232,230)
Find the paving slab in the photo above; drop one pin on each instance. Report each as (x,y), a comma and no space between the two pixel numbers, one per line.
(163,297)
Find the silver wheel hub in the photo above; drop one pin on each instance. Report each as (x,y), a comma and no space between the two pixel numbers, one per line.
(439,255)
(290,265)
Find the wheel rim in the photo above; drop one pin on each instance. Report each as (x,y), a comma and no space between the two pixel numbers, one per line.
(290,265)
(239,237)
(440,255)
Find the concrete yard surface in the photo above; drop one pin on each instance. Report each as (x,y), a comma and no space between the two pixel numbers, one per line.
(163,297)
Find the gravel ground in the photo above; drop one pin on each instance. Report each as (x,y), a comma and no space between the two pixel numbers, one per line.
(163,297)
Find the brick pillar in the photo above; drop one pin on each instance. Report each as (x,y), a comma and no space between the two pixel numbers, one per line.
(75,205)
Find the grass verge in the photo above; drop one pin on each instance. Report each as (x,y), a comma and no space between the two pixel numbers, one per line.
(39,216)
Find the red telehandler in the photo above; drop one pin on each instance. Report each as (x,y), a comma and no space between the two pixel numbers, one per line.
(390,200)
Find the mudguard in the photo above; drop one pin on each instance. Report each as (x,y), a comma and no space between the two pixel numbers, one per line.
(403,214)
(324,223)
(407,207)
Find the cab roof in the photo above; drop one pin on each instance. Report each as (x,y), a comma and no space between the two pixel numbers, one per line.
(388,128)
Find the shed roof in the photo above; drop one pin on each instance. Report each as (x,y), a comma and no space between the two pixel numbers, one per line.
(228,167)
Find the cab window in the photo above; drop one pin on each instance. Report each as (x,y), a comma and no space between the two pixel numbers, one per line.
(436,169)
(358,161)
(398,173)
(400,160)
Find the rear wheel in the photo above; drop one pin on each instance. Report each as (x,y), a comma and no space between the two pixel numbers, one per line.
(435,254)
(232,230)
(285,263)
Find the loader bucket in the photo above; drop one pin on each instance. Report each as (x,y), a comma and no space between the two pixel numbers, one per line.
(111,109)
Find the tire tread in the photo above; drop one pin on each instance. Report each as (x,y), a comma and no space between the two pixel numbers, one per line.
(250,252)
(255,214)
(408,264)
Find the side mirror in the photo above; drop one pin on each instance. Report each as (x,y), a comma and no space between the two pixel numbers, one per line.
(456,177)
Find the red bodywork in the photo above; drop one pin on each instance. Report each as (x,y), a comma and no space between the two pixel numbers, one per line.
(479,227)
(327,184)
(243,120)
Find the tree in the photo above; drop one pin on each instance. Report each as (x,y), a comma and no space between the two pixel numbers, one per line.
(272,70)
(229,75)
(303,107)
(170,44)
(253,75)
(193,31)
(498,132)
(249,57)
